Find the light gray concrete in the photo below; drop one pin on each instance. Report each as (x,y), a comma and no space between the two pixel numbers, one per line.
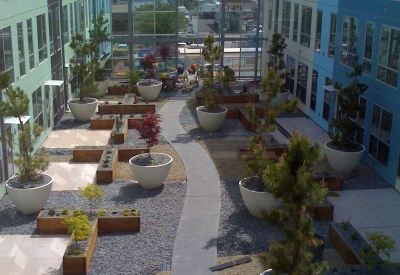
(195,248)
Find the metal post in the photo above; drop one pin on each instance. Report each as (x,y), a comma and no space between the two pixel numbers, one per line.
(64,70)
(222,32)
(257,42)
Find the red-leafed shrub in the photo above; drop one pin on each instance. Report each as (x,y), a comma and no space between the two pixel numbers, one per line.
(148,63)
(149,129)
(165,54)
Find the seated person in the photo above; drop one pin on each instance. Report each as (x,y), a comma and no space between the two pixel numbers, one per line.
(180,69)
(192,69)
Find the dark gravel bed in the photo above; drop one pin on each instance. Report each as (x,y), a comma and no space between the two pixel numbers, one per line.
(137,253)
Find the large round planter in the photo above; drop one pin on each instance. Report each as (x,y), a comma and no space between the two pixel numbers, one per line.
(102,89)
(257,202)
(150,177)
(341,162)
(149,92)
(30,200)
(82,111)
(211,121)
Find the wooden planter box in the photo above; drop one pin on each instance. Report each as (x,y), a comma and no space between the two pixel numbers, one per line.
(107,175)
(115,109)
(124,154)
(340,244)
(119,90)
(110,224)
(321,212)
(102,123)
(87,155)
(106,224)
(120,137)
(73,265)
(332,182)
(131,122)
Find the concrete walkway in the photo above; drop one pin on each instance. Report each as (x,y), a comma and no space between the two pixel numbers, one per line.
(195,249)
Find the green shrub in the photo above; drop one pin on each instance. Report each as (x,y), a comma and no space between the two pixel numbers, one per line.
(78,212)
(102,213)
(378,243)
(52,212)
(65,212)
(126,213)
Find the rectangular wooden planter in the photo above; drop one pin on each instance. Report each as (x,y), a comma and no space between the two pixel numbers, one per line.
(120,136)
(332,182)
(109,109)
(119,90)
(322,212)
(106,224)
(107,175)
(87,155)
(344,249)
(102,123)
(73,265)
(131,122)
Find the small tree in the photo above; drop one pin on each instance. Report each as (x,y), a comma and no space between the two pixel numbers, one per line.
(148,65)
(165,53)
(29,165)
(79,227)
(379,243)
(98,35)
(292,178)
(134,76)
(149,129)
(348,105)
(93,192)
(278,45)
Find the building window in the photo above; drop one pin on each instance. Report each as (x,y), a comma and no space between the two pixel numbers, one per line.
(30,44)
(302,75)
(37,103)
(314,86)
(270,15)
(318,32)
(82,17)
(332,36)
(349,40)
(58,31)
(276,16)
(51,35)
(295,22)
(290,73)
(21,51)
(64,25)
(360,120)
(76,17)
(327,95)
(6,58)
(286,19)
(306,17)
(42,40)
(71,19)
(381,128)
(369,42)
(388,60)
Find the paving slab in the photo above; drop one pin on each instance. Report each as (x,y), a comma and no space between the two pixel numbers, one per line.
(70,176)
(305,126)
(77,137)
(32,254)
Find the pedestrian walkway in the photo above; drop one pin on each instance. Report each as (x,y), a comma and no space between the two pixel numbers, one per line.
(195,249)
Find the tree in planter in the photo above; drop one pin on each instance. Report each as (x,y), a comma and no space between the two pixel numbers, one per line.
(98,35)
(29,165)
(93,193)
(79,227)
(349,106)
(379,243)
(278,45)
(292,178)
(82,78)
(165,53)
(148,63)
(149,129)
(134,77)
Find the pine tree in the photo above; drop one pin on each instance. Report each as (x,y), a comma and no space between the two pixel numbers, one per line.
(292,178)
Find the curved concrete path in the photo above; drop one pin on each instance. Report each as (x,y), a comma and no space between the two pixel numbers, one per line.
(195,248)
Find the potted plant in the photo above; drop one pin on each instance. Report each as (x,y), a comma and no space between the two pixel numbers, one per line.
(134,78)
(29,189)
(151,169)
(82,79)
(149,89)
(211,115)
(165,54)
(292,178)
(98,35)
(342,152)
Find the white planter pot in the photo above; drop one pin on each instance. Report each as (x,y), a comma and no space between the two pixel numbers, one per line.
(149,93)
(257,202)
(150,177)
(102,89)
(343,163)
(82,111)
(211,121)
(30,200)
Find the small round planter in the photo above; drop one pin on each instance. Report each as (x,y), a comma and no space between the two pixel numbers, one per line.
(101,89)
(342,162)
(30,200)
(149,92)
(83,111)
(211,121)
(150,176)
(257,202)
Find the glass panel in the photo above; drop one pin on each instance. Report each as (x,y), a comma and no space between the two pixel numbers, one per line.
(6,58)
(286,19)
(295,22)
(384,47)
(143,22)
(65,24)
(393,58)
(305,26)
(318,31)
(42,40)
(30,44)
(332,36)
(362,112)
(386,126)
(376,116)
(51,33)
(20,31)
(58,31)
(373,146)
(276,16)
(383,153)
